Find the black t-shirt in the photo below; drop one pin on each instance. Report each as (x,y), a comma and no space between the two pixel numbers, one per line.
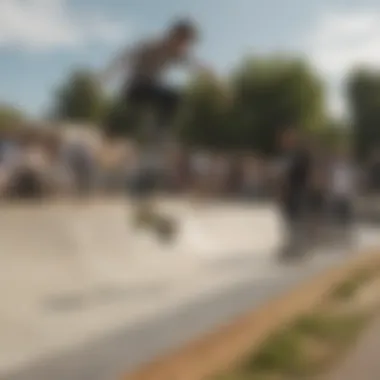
(297,172)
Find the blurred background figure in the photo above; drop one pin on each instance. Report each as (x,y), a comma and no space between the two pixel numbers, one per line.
(28,173)
(253,177)
(295,171)
(200,172)
(374,172)
(317,191)
(9,157)
(343,191)
(78,156)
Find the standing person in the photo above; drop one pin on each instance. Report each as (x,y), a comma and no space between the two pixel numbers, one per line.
(294,171)
(252,185)
(342,193)
(201,164)
(10,156)
(144,90)
(78,157)
(374,172)
(28,177)
(317,193)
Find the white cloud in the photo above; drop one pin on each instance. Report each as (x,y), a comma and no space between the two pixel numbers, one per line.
(338,42)
(44,24)
(342,40)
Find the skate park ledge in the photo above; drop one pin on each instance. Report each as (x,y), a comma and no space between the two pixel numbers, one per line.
(225,347)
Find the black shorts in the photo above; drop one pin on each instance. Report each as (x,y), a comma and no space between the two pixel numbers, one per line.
(141,96)
(144,183)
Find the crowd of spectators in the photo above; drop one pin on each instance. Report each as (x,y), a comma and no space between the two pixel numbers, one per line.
(41,163)
(37,162)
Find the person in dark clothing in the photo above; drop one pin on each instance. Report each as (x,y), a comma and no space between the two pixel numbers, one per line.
(374,173)
(143,67)
(295,173)
(343,187)
(144,91)
(317,203)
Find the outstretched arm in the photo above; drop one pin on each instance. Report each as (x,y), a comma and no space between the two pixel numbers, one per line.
(204,71)
(198,67)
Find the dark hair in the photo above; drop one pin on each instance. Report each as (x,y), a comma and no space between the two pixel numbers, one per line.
(184,28)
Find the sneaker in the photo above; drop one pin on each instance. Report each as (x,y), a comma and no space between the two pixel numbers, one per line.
(166,228)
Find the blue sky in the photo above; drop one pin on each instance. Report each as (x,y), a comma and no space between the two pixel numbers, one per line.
(41,40)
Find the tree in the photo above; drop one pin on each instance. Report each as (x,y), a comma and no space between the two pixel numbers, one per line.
(80,99)
(272,93)
(121,120)
(205,114)
(335,134)
(268,94)
(10,117)
(363,93)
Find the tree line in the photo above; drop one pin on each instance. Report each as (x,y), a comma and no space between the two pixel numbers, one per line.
(243,111)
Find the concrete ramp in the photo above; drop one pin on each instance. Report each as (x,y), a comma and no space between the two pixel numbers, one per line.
(66,247)
(86,296)
(106,228)
(73,271)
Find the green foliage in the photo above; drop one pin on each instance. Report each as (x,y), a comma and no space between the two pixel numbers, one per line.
(351,286)
(288,354)
(262,96)
(205,115)
(80,99)
(119,120)
(308,346)
(284,352)
(363,93)
(334,135)
(331,328)
(268,94)
(10,117)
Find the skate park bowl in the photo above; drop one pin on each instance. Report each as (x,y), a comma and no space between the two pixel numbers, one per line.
(55,252)
(87,296)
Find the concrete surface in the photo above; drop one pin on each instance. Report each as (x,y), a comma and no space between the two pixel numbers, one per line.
(83,297)
(363,362)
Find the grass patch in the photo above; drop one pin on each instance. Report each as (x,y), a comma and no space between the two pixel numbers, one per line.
(251,376)
(338,329)
(283,352)
(349,288)
(312,343)
(304,349)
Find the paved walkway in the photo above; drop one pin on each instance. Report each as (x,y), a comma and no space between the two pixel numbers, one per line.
(363,363)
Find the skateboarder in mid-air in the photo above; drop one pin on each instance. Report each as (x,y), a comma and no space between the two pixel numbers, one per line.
(143,90)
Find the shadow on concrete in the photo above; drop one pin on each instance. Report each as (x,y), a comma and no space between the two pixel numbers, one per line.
(105,294)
